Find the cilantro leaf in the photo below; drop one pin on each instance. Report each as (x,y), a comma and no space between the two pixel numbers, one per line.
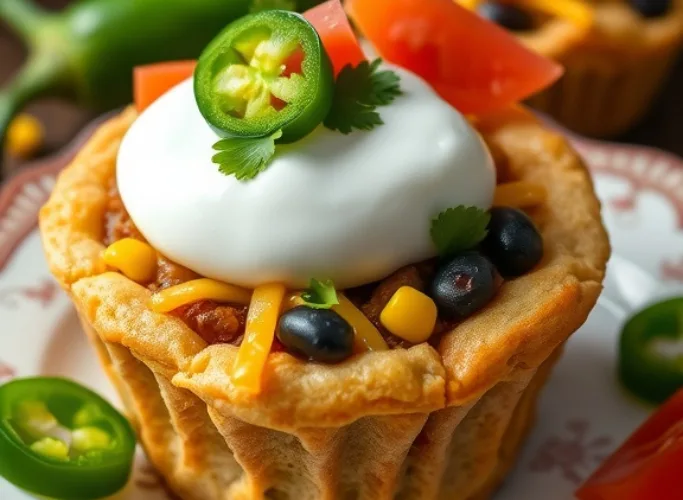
(320,295)
(259,5)
(459,228)
(245,157)
(357,93)
(385,85)
(352,115)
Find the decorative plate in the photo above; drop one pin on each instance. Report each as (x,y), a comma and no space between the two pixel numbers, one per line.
(583,413)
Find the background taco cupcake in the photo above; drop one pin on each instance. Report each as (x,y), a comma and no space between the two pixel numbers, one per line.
(617,55)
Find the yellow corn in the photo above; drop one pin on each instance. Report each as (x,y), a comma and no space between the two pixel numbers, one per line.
(134,258)
(264,311)
(367,337)
(24,136)
(410,314)
(519,194)
(195,290)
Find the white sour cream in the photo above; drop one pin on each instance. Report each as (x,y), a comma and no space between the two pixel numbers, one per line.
(349,208)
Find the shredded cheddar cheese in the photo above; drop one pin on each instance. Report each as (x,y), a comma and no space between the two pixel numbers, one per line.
(367,337)
(520,194)
(576,11)
(469,4)
(200,289)
(264,311)
(134,258)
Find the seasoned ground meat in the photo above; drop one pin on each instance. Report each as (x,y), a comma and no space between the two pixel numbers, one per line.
(215,323)
(220,323)
(171,274)
(117,222)
(382,293)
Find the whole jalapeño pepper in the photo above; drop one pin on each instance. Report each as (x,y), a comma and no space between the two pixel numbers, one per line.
(61,440)
(265,73)
(86,52)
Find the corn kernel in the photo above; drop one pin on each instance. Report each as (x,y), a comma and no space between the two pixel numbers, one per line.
(134,258)
(519,194)
(24,136)
(200,289)
(410,314)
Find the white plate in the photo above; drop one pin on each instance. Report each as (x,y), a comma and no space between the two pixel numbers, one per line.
(583,414)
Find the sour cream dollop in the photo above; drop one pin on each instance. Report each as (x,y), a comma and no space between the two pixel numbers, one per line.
(351,208)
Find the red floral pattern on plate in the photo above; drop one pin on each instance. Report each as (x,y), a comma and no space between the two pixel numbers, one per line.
(644,169)
(574,456)
(6,371)
(43,293)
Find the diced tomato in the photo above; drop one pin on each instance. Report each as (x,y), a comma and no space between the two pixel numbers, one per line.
(648,465)
(154,80)
(341,44)
(472,63)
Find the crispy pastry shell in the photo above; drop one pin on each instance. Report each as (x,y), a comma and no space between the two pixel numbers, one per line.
(416,423)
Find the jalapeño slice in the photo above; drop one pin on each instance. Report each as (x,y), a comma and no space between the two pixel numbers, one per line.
(650,356)
(265,72)
(61,440)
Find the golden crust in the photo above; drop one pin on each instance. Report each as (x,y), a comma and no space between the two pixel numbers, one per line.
(619,31)
(613,71)
(297,394)
(406,424)
(531,316)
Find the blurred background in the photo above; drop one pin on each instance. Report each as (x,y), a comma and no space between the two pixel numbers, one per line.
(60,120)
(662,128)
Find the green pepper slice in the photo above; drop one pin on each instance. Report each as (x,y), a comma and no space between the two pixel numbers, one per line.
(248,82)
(61,440)
(650,354)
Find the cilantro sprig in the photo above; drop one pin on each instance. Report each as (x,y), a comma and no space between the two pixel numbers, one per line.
(245,157)
(357,94)
(459,228)
(320,295)
(358,91)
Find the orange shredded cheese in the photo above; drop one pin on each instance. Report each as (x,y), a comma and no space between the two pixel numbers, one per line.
(469,4)
(134,258)
(195,290)
(576,11)
(367,337)
(519,194)
(264,311)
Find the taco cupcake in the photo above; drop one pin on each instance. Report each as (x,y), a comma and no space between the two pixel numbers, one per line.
(311,276)
(617,55)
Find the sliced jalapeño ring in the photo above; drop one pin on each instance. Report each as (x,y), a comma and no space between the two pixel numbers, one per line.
(265,72)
